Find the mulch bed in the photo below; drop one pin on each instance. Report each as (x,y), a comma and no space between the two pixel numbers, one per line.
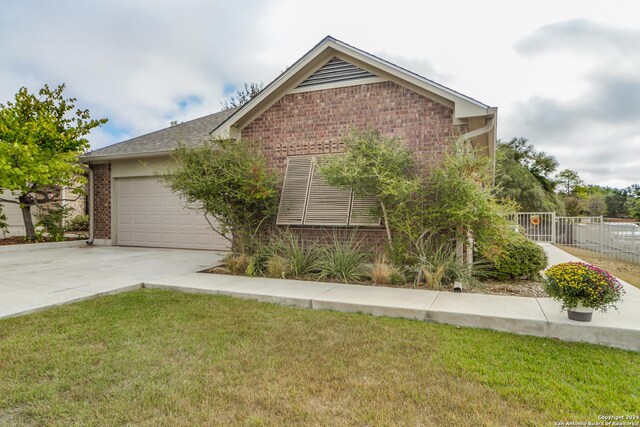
(20,240)
(520,288)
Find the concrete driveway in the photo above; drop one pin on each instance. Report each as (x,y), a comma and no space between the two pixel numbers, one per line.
(36,279)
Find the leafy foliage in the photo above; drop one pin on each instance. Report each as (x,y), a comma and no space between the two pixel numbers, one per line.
(41,138)
(569,182)
(540,164)
(230,182)
(375,166)
(78,223)
(460,199)
(519,258)
(342,259)
(578,282)
(52,219)
(522,174)
(243,95)
(633,208)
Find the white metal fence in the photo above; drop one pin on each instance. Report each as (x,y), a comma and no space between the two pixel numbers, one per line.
(538,226)
(620,240)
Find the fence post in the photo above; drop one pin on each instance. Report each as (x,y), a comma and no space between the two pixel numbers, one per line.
(553,227)
(602,234)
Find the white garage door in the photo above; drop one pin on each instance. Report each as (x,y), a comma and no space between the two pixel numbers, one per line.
(149,214)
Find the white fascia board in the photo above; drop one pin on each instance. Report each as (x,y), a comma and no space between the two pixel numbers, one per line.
(464,105)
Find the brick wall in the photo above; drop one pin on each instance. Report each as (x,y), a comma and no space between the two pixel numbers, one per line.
(102,201)
(314,122)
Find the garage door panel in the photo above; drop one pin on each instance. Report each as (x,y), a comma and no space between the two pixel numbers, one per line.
(149,214)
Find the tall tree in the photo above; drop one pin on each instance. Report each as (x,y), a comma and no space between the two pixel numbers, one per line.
(540,164)
(522,174)
(569,182)
(41,137)
(243,95)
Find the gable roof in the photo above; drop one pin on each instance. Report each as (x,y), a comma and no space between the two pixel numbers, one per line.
(330,49)
(192,133)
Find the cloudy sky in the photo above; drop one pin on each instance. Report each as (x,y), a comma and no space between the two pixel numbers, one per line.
(565,74)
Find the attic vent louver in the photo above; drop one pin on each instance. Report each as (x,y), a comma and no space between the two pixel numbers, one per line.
(335,70)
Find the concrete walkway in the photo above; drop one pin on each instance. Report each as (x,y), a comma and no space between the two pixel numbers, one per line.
(43,278)
(530,316)
(38,278)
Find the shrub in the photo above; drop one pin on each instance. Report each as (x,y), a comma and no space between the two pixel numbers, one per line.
(518,258)
(343,260)
(257,265)
(78,223)
(237,264)
(277,267)
(231,182)
(51,218)
(578,282)
(300,258)
(437,265)
(398,278)
(461,198)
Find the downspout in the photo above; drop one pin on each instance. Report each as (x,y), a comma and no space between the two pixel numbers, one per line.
(477,132)
(91,236)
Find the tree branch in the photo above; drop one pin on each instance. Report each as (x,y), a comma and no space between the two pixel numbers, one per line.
(216,230)
(10,201)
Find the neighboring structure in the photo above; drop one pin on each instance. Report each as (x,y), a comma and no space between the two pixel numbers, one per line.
(299,117)
(14,214)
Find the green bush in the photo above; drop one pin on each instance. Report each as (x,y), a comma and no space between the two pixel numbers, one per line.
(343,260)
(230,181)
(518,258)
(78,223)
(51,218)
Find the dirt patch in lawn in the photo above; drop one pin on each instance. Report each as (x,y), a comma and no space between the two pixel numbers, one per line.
(520,288)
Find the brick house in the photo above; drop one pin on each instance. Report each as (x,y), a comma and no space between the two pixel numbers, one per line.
(298,118)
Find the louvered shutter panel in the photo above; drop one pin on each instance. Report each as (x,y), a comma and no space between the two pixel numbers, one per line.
(294,190)
(326,205)
(361,208)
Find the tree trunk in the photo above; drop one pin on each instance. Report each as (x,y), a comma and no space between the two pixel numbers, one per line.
(386,221)
(25,207)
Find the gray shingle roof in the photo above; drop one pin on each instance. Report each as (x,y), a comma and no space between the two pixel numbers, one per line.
(191,133)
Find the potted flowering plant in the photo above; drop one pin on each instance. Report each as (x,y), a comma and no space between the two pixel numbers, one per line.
(582,288)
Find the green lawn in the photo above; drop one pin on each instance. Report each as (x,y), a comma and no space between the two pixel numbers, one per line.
(154,357)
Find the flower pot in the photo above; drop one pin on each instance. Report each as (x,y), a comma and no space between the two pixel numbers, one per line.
(581,313)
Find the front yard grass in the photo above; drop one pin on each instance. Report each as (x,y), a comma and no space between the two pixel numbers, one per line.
(153,357)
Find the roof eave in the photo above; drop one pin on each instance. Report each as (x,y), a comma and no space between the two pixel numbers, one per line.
(125,156)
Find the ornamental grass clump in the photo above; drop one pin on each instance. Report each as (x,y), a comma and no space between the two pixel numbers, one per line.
(577,282)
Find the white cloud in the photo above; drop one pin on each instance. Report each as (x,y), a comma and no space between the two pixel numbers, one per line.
(145,63)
